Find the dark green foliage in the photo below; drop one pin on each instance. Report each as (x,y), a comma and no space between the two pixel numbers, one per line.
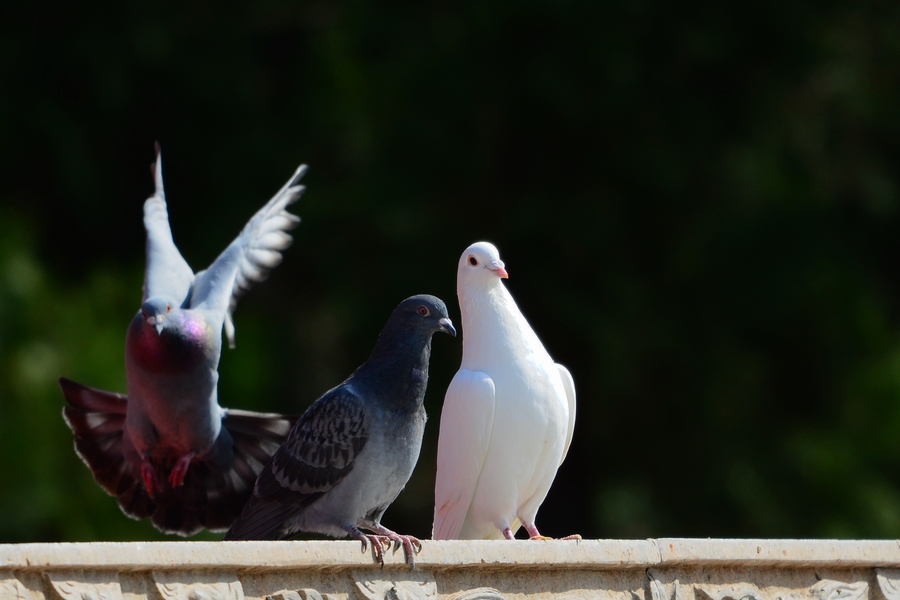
(697,204)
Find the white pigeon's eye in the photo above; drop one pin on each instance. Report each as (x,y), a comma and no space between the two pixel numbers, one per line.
(473,261)
(423,311)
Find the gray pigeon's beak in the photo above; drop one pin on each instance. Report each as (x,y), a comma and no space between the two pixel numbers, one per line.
(497,267)
(447,326)
(157,323)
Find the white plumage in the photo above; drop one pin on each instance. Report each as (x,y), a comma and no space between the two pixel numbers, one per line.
(508,414)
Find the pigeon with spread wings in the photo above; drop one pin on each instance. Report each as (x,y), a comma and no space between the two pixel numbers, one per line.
(167,450)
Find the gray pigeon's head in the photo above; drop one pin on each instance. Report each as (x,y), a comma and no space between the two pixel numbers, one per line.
(156,310)
(424,313)
(480,264)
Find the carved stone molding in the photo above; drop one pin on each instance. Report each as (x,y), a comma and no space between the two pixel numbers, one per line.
(85,585)
(839,590)
(304,594)
(889,583)
(198,586)
(483,593)
(10,587)
(655,588)
(741,591)
(404,586)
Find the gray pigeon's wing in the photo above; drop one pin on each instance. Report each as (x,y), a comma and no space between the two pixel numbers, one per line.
(317,454)
(167,273)
(250,257)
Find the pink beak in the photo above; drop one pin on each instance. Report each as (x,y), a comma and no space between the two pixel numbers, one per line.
(498,268)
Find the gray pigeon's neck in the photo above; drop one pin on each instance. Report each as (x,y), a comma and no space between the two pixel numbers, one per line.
(398,368)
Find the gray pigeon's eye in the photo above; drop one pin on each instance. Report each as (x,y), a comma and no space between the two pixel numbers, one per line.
(473,261)
(168,308)
(423,311)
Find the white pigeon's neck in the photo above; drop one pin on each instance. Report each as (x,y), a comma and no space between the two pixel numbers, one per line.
(492,326)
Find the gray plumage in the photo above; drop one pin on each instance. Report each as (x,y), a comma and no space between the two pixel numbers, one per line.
(352,452)
(168,450)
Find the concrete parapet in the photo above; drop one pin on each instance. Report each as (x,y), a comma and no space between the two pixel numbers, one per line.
(660,569)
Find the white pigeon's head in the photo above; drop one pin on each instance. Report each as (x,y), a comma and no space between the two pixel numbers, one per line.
(480,264)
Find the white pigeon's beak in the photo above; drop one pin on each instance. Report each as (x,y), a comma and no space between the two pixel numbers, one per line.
(497,267)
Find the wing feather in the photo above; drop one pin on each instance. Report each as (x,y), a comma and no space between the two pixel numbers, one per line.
(569,385)
(166,273)
(316,455)
(250,257)
(467,420)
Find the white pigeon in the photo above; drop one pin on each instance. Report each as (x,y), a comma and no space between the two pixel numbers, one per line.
(508,414)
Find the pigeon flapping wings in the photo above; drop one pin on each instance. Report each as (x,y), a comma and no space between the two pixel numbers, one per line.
(247,260)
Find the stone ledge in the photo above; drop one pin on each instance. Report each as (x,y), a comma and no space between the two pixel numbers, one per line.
(660,569)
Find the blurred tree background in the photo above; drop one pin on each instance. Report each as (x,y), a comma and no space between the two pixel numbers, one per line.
(697,203)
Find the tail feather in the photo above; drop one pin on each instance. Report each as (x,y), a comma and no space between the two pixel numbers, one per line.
(262,520)
(212,495)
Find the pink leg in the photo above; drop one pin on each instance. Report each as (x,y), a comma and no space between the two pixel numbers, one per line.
(508,534)
(376,540)
(411,545)
(148,476)
(534,534)
(176,475)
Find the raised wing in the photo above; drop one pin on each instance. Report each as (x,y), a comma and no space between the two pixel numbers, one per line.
(250,257)
(467,420)
(569,385)
(317,454)
(167,273)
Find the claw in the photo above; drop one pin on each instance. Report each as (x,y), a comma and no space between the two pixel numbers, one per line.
(377,548)
(365,540)
(176,475)
(411,545)
(534,534)
(148,476)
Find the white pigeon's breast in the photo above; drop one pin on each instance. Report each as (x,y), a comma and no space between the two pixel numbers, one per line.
(528,439)
(531,413)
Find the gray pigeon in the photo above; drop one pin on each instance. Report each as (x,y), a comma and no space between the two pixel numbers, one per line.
(168,450)
(354,449)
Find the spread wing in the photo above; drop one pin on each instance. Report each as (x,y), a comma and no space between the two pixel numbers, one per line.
(166,273)
(250,257)
(569,385)
(317,454)
(467,420)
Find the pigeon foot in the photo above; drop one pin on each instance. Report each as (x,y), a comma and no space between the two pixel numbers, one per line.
(534,534)
(378,542)
(411,544)
(148,476)
(176,475)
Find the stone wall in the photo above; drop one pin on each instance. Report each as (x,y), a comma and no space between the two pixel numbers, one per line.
(662,569)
